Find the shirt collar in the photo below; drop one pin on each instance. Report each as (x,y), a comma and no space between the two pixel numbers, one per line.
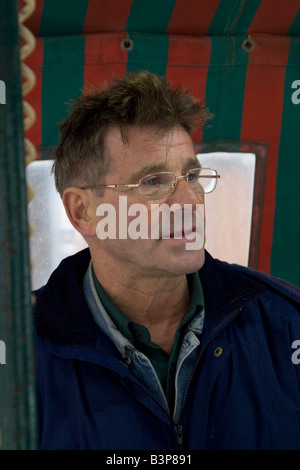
(132,330)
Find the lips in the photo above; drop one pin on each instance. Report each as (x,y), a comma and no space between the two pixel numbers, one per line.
(186,232)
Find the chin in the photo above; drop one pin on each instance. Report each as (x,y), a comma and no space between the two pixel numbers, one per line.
(192,262)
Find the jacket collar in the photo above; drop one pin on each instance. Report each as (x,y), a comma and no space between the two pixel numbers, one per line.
(62,315)
(227,289)
(61,312)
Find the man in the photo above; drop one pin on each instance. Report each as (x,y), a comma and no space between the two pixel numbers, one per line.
(144,341)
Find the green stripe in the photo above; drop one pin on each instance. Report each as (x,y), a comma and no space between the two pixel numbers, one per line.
(232,16)
(225,87)
(295,26)
(246,17)
(63,75)
(223,19)
(152,17)
(63,17)
(285,256)
(150,51)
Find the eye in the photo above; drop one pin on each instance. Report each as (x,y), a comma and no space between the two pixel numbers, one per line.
(153,180)
(193,176)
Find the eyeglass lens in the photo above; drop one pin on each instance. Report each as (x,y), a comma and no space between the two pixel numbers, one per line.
(159,184)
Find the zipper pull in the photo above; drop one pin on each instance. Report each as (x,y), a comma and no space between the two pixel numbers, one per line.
(178,430)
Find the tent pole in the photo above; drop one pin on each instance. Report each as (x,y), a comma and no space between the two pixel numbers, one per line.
(18,409)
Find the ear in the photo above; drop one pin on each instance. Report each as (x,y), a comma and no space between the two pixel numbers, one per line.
(80,208)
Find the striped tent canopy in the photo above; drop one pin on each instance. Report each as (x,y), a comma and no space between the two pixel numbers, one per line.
(240,57)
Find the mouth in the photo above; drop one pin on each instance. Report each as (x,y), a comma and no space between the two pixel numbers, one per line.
(187,233)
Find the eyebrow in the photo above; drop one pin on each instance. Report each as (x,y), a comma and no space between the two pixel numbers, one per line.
(192,162)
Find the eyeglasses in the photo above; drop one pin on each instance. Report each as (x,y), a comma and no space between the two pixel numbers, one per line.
(163,184)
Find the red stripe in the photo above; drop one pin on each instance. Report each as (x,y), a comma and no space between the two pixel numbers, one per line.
(262,113)
(104,58)
(274,17)
(188,63)
(106,15)
(34,21)
(194,16)
(34,97)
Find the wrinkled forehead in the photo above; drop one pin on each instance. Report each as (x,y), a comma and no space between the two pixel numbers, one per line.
(147,146)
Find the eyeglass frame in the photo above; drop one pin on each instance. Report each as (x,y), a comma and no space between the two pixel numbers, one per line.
(174,185)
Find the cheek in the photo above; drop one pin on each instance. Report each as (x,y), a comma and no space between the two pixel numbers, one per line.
(136,252)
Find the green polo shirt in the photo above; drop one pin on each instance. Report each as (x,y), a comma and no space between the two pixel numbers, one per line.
(163,363)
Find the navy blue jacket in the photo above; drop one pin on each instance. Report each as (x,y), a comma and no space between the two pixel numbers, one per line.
(244,392)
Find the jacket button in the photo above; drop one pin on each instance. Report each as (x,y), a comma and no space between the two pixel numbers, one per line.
(218,351)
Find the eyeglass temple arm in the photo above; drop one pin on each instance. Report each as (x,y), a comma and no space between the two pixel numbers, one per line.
(131,185)
(136,185)
(209,176)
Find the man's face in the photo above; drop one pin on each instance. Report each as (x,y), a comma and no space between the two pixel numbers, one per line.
(144,153)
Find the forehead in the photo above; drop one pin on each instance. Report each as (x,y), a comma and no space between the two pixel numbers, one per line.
(144,151)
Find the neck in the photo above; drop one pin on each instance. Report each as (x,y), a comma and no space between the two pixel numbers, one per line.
(158,304)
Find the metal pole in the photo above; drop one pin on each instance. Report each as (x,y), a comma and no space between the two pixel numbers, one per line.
(18,409)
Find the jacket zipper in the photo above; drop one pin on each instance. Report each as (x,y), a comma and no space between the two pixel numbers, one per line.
(178,428)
